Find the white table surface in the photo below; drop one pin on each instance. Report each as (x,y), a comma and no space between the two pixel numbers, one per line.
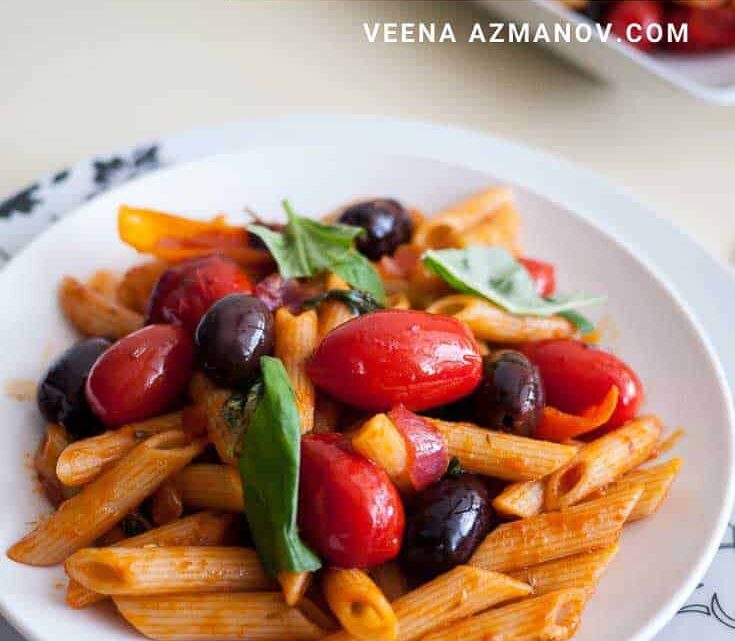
(88,76)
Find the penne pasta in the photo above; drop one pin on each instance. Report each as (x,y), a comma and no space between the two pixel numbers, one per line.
(656,482)
(211,399)
(294,585)
(93,314)
(134,290)
(601,461)
(505,456)
(247,616)
(459,593)
(490,323)
(167,570)
(554,535)
(210,486)
(522,499)
(450,227)
(296,338)
(103,282)
(53,444)
(84,460)
(203,528)
(332,313)
(84,517)
(578,571)
(501,229)
(359,605)
(399,300)
(552,617)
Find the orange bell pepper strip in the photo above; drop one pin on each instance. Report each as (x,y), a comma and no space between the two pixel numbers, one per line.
(174,238)
(559,426)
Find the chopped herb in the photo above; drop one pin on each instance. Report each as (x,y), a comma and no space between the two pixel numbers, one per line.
(454,469)
(358,301)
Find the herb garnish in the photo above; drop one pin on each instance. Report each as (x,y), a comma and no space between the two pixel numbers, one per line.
(358,301)
(269,469)
(307,248)
(493,273)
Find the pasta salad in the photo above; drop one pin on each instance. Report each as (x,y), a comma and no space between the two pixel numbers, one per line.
(376,426)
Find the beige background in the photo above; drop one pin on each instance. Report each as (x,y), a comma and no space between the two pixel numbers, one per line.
(84,76)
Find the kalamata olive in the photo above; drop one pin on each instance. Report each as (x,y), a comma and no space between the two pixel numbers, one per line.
(61,397)
(232,336)
(511,396)
(386,224)
(444,525)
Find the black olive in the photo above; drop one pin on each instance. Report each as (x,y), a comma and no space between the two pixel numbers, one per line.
(231,337)
(511,395)
(386,224)
(444,526)
(61,396)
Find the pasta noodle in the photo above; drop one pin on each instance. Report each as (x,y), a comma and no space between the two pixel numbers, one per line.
(296,340)
(656,482)
(101,504)
(379,440)
(553,535)
(601,461)
(167,570)
(454,226)
(490,323)
(294,585)
(359,605)
(137,283)
(522,499)
(210,486)
(459,593)
(84,460)
(505,456)
(211,399)
(93,314)
(236,616)
(332,313)
(203,528)
(166,505)
(578,571)
(54,442)
(552,617)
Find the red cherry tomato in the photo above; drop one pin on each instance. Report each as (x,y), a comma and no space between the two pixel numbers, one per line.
(639,13)
(185,292)
(577,376)
(349,511)
(542,274)
(428,457)
(140,376)
(393,357)
(709,28)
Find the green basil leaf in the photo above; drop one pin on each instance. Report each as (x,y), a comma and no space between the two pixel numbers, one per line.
(269,469)
(493,273)
(308,247)
(454,469)
(583,324)
(359,302)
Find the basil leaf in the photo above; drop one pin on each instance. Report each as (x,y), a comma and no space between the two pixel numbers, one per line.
(583,324)
(269,469)
(307,248)
(358,301)
(454,469)
(493,273)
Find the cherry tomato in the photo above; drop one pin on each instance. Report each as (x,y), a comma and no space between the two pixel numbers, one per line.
(185,292)
(393,357)
(709,28)
(642,14)
(140,376)
(542,274)
(577,376)
(349,511)
(428,457)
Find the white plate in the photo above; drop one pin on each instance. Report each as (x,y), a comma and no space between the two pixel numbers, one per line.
(709,76)
(656,335)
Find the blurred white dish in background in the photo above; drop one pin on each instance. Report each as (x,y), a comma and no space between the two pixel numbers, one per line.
(710,76)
